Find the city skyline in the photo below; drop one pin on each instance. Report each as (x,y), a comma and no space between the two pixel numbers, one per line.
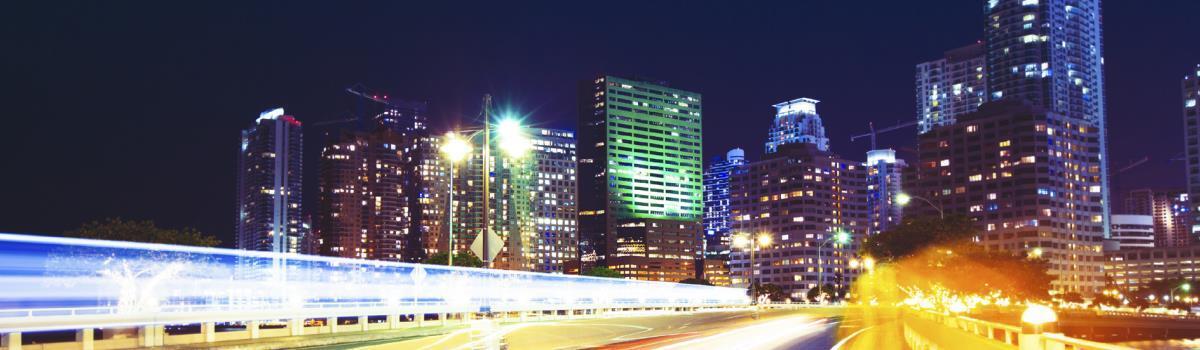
(212,121)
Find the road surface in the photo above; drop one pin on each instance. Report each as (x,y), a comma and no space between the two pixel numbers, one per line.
(809,328)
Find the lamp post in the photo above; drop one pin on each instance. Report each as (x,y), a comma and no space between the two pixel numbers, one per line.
(840,237)
(1186,287)
(514,144)
(904,198)
(744,241)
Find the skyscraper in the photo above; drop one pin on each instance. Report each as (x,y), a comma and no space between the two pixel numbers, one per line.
(951,86)
(802,197)
(363,211)
(1029,178)
(640,177)
(1170,211)
(1049,54)
(884,177)
(268,189)
(716,202)
(797,121)
(555,205)
(1190,87)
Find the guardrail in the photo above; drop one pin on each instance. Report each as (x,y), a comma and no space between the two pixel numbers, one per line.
(75,284)
(998,334)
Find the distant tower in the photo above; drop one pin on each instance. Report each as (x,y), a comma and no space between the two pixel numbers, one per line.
(883,185)
(796,121)
(716,202)
(268,188)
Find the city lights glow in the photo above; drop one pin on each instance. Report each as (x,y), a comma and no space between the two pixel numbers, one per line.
(455,147)
(49,283)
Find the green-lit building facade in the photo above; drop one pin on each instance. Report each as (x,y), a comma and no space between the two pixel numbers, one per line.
(640,178)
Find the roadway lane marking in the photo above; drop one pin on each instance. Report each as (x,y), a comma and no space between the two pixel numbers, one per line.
(839,345)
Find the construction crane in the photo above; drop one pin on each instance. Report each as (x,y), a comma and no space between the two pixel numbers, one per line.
(880,131)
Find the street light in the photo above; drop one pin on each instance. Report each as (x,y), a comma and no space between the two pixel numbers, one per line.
(840,237)
(515,144)
(904,198)
(1186,287)
(455,148)
(742,240)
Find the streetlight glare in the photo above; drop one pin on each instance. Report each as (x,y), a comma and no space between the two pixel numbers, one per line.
(455,147)
(764,239)
(1186,287)
(903,199)
(741,241)
(842,237)
(1038,315)
(513,141)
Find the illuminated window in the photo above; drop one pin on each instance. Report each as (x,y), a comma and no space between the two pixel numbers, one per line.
(944,162)
(976,177)
(972,128)
(1005,143)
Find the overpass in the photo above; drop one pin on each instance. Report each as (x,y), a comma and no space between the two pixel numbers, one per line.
(137,290)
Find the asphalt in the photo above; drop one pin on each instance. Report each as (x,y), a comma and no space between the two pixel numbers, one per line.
(808,328)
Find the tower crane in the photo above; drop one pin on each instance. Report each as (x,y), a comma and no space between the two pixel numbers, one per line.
(880,131)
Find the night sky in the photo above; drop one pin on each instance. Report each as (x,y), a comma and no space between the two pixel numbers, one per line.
(133,109)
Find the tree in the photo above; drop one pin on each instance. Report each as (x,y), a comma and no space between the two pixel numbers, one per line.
(928,253)
(465,259)
(828,289)
(1073,297)
(771,291)
(699,281)
(117,229)
(600,271)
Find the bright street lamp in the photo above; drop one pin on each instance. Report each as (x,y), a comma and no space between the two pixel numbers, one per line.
(742,240)
(1186,287)
(515,144)
(904,198)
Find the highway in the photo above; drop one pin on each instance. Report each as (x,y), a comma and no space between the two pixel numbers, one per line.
(809,328)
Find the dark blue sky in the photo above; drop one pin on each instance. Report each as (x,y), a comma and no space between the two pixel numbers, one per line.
(133,109)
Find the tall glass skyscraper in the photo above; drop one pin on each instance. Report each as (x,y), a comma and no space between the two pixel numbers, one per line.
(268,188)
(716,202)
(1049,54)
(883,185)
(797,121)
(640,177)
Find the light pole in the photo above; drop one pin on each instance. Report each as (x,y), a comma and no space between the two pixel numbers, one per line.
(1186,287)
(744,241)
(904,198)
(514,144)
(840,237)
(455,149)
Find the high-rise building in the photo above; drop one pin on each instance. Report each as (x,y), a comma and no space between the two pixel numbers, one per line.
(802,197)
(1031,180)
(1049,53)
(1133,231)
(1190,87)
(1170,211)
(382,188)
(797,121)
(884,177)
(951,86)
(269,214)
(716,202)
(364,211)
(555,202)
(640,177)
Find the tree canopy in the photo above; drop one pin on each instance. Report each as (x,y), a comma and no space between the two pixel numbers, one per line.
(699,281)
(462,259)
(929,252)
(117,229)
(600,271)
